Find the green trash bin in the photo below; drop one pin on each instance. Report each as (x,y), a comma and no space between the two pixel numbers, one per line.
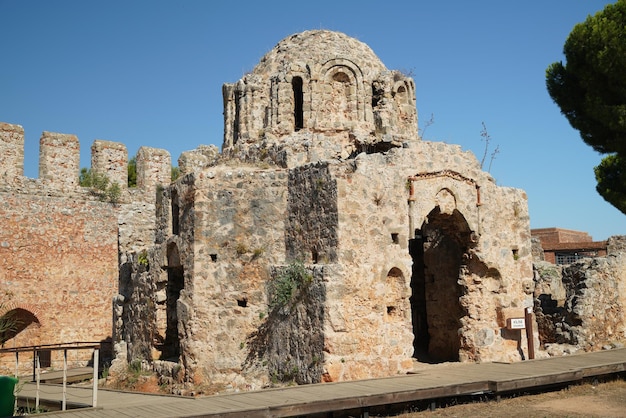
(7,399)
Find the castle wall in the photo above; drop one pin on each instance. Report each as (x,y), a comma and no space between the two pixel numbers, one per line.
(11,151)
(58,260)
(59,241)
(59,160)
(110,158)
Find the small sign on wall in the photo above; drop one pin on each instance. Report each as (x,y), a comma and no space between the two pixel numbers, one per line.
(515,323)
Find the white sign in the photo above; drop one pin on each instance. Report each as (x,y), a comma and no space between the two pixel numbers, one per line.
(515,323)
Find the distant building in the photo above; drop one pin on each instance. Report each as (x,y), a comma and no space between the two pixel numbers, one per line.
(565,246)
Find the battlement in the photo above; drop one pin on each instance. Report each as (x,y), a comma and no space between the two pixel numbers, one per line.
(59,161)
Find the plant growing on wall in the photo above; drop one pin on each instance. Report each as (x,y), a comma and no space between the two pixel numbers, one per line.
(288,283)
(100,185)
(8,325)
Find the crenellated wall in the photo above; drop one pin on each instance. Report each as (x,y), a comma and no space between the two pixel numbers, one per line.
(60,243)
(59,164)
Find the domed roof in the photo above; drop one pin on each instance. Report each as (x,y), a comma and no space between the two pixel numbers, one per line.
(318,47)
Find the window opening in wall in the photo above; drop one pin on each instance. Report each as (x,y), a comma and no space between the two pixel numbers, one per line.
(175,213)
(401,95)
(375,96)
(243,302)
(236,118)
(391,310)
(175,284)
(213,257)
(298,102)
(314,256)
(515,253)
(569,258)
(394,238)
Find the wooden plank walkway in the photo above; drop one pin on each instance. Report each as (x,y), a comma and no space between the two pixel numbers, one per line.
(77,374)
(436,381)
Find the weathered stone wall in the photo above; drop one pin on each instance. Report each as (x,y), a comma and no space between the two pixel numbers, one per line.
(616,244)
(379,222)
(60,241)
(290,343)
(11,151)
(311,234)
(59,160)
(110,158)
(58,260)
(234,233)
(580,306)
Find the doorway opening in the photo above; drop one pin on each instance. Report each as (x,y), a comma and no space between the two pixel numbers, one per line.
(438,252)
(175,283)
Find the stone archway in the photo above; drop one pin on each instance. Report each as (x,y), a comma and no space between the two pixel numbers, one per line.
(439,251)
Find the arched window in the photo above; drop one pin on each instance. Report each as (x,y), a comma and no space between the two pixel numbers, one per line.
(298,99)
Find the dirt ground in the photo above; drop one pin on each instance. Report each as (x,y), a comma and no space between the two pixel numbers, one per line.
(604,399)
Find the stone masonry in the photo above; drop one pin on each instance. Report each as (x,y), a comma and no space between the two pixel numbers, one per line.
(325,242)
(406,250)
(60,243)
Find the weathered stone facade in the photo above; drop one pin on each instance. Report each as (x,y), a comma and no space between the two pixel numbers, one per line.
(581,306)
(412,251)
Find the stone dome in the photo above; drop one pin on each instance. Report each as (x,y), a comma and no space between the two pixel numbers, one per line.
(317,95)
(319,47)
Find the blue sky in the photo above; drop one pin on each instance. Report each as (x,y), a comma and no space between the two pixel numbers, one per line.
(150,73)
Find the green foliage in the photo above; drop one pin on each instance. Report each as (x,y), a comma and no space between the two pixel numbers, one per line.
(590,90)
(100,185)
(292,279)
(175,174)
(113,192)
(611,178)
(132,172)
(142,259)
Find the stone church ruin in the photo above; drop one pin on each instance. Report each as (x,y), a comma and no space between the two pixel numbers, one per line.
(325,242)
(399,242)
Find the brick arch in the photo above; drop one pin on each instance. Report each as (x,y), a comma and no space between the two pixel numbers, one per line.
(29,307)
(24,317)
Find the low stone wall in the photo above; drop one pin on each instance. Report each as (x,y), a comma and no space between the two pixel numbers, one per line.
(580,306)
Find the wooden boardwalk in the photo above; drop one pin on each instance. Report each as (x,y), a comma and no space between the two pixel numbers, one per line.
(433,382)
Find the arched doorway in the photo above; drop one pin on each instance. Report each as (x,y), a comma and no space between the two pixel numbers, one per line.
(15,321)
(438,253)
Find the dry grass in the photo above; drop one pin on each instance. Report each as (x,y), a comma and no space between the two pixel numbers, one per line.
(605,399)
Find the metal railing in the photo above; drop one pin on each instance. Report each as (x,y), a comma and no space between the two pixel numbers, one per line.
(37,349)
